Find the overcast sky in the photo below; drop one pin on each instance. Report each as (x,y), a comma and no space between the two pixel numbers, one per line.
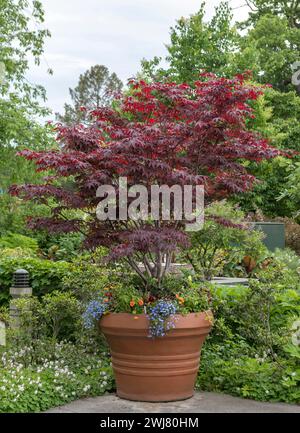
(116,33)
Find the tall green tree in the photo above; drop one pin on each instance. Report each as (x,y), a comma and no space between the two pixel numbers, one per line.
(276,117)
(269,45)
(289,9)
(95,87)
(22,38)
(270,49)
(196,44)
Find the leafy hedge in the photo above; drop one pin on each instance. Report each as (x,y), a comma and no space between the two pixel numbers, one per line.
(80,277)
(15,240)
(45,275)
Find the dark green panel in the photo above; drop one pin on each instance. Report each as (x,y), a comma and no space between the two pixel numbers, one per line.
(275,234)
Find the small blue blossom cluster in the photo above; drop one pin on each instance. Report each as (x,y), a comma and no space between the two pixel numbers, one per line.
(94,311)
(162,318)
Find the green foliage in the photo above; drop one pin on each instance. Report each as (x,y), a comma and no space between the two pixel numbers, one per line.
(288,258)
(56,315)
(218,246)
(277,117)
(87,279)
(49,374)
(192,296)
(267,194)
(45,275)
(123,294)
(197,45)
(269,49)
(283,124)
(251,352)
(19,37)
(248,377)
(291,190)
(14,240)
(22,39)
(61,247)
(283,8)
(14,253)
(14,170)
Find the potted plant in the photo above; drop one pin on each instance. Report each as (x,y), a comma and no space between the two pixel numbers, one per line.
(155,135)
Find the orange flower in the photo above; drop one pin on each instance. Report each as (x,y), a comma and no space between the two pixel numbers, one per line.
(132,303)
(106,300)
(180,299)
(140,302)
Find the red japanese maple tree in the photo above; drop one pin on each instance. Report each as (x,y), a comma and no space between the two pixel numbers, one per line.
(158,133)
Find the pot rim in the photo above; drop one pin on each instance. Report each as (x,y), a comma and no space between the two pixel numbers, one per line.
(202,319)
(208,313)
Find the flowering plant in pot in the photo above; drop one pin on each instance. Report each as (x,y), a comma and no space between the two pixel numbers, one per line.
(156,135)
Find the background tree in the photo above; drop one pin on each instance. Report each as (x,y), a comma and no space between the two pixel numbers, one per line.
(21,39)
(268,46)
(269,49)
(289,9)
(196,45)
(96,87)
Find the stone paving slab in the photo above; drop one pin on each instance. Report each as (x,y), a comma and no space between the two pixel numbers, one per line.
(202,402)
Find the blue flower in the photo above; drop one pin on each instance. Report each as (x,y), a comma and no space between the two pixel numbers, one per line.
(93,312)
(162,318)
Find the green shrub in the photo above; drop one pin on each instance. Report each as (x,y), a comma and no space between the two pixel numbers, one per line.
(56,315)
(62,247)
(288,258)
(258,378)
(220,247)
(14,240)
(16,253)
(45,275)
(251,351)
(86,280)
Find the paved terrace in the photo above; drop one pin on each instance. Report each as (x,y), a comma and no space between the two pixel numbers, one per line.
(202,402)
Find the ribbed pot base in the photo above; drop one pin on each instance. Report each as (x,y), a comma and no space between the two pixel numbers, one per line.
(161,399)
(160,369)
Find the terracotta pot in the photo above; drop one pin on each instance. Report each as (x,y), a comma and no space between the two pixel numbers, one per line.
(159,369)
